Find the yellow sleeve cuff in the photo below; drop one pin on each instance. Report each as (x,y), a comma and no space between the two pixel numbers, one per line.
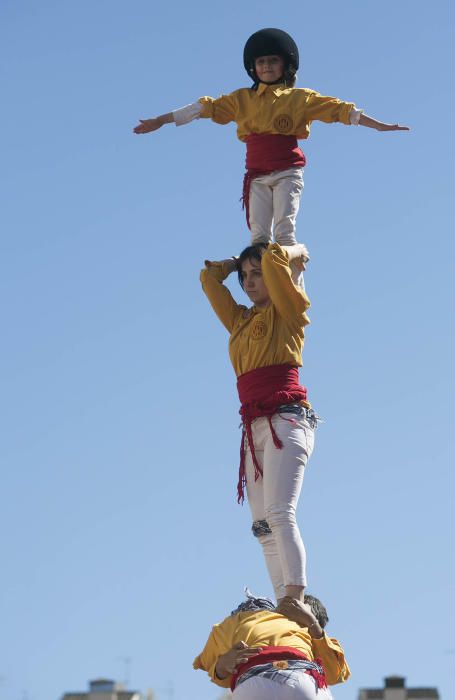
(345,112)
(207,107)
(216,270)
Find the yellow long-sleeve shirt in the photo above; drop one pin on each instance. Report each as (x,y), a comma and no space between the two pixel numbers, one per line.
(267,628)
(275,109)
(261,337)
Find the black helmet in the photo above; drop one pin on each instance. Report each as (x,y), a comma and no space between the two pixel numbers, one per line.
(269,42)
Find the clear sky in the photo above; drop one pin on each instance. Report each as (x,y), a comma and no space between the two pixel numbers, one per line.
(120,533)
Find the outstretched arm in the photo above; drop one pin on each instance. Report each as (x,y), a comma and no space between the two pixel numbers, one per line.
(181,116)
(146,125)
(371,123)
(222,111)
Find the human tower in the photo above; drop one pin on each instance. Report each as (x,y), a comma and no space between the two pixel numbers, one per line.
(265,649)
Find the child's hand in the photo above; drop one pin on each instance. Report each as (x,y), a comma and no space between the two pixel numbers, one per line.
(392,127)
(146,125)
(365,120)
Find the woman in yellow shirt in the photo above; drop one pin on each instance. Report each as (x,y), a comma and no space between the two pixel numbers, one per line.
(265,347)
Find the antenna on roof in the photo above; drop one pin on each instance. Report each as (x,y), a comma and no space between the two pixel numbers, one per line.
(126,660)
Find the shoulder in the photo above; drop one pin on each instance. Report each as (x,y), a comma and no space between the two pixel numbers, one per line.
(241,92)
(308,92)
(296,93)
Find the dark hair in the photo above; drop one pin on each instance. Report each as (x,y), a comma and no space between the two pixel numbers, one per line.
(253,603)
(318,609)
(252,252)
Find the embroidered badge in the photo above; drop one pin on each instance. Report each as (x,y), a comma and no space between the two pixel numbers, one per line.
(283,123)
(259,330)
(281,665)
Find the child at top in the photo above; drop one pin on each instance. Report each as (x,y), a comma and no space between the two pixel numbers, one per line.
(270,117)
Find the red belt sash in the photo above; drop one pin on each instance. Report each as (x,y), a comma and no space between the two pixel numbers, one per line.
(262,391)
(266,153)
(269,654)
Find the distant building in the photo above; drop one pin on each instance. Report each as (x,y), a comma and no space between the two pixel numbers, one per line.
(395,689)
(104,689)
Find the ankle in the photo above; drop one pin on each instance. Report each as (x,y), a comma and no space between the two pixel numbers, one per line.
(297,592)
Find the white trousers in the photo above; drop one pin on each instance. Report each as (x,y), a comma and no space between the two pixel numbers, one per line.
(275,198)
(274,497)
(301,687)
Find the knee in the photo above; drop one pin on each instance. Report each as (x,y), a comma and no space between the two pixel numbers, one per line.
(260,528)
(279,515)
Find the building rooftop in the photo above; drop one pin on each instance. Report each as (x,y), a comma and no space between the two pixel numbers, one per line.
(104,687)
(394,683)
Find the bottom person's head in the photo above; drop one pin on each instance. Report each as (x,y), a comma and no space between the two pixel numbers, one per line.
(254,603)
(318,609)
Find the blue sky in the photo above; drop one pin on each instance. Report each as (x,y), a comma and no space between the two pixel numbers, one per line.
(120,534)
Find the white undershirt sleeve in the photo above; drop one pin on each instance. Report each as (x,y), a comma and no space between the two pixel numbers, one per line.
(186,114)
(354,116)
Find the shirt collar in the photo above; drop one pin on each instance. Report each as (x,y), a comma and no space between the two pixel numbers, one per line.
(275,88)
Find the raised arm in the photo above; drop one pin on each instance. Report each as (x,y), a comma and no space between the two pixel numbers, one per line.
(278,265)
(219,296)
(326,648)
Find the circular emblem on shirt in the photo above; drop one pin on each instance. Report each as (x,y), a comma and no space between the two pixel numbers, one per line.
(259,330)
(283,123)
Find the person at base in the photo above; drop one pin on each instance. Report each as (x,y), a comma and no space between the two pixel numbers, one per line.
(261,652)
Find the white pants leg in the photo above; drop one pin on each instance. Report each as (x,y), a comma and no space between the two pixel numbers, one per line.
(275,198)
(287,190)
(261,209)
(274,497)
(302,687)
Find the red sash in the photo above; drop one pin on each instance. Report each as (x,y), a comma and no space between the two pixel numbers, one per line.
(266,153)
(269,654)
(261,392)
